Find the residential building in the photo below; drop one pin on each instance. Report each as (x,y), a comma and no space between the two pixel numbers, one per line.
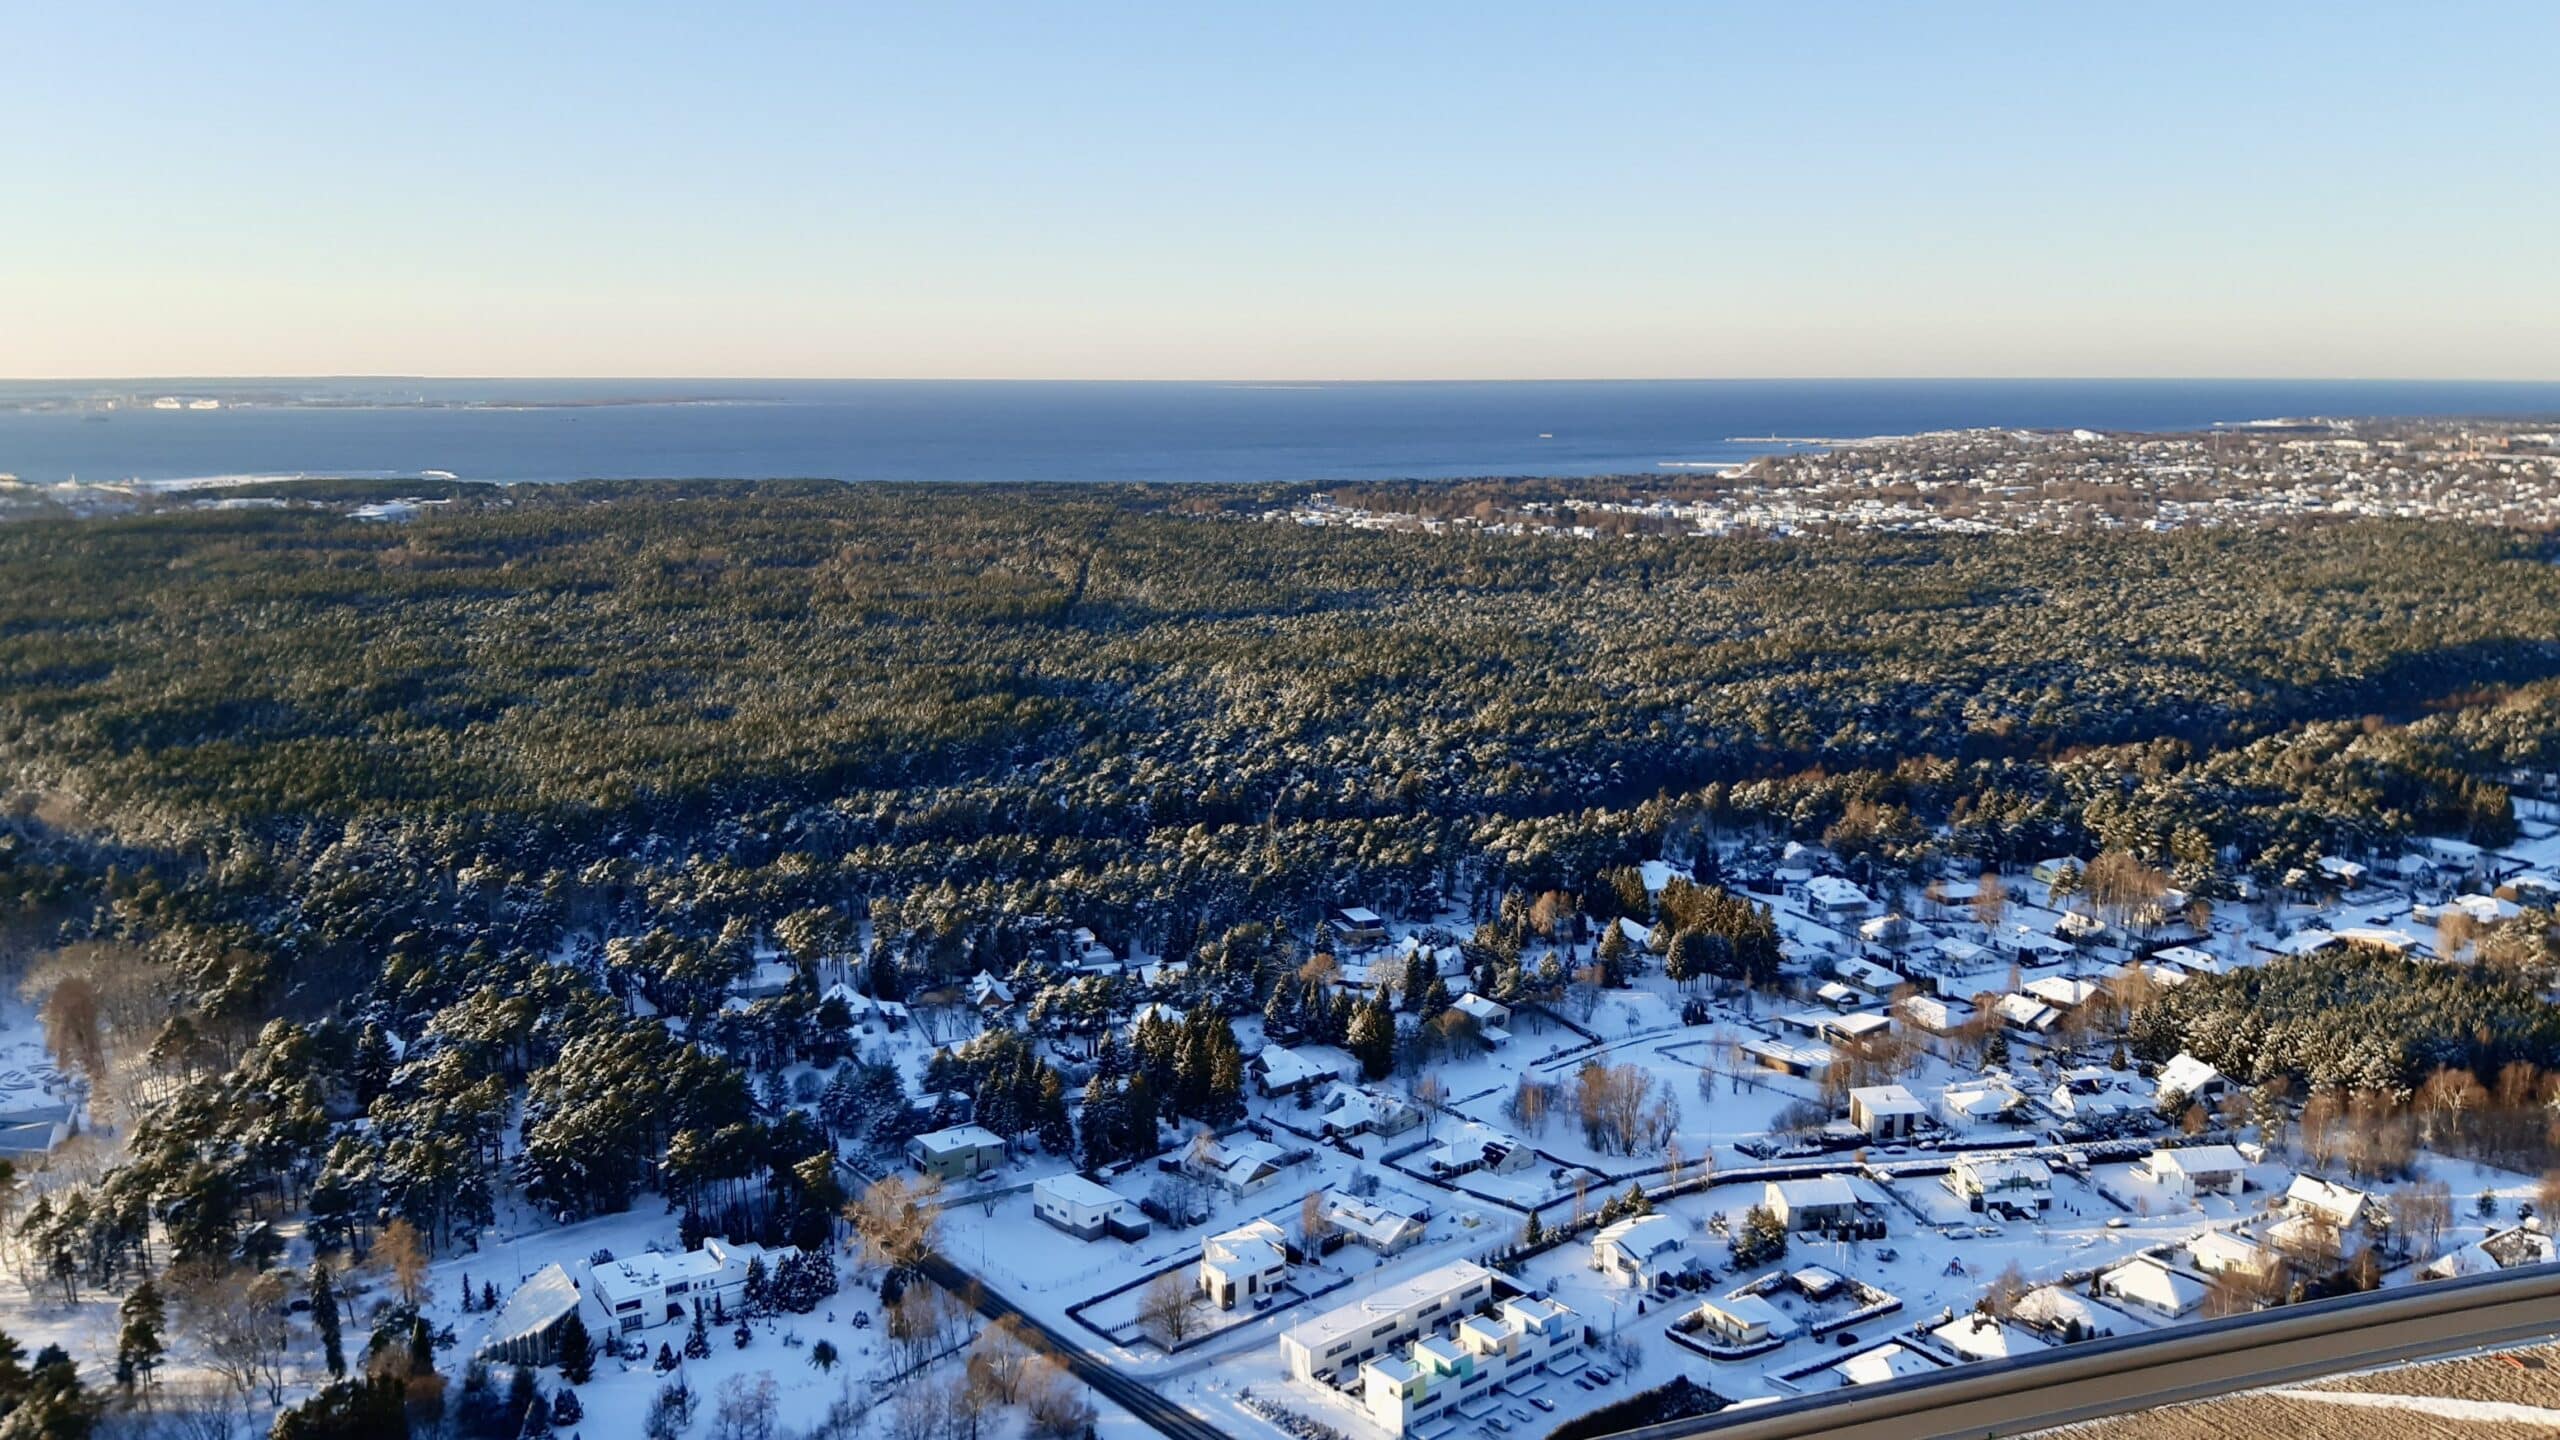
(1743,1318)
(2151,1283)
(1891,1361)
(1385,1226)
(658,1287)
(1643,1249)
(2196,1170)
(1828,897)
(2341,1206)
(1243,1263)
(959,1153)
(1279,1070)
(1493,1019)
(2217,1252)
(1333,1346)
(2189,1078)
(1820,1202)
(1886,1112)
(1354,1110)
(1470,1145)
(1240,1167)
(1788,1057)
(1359,927)
(2018,1185)
(1480,1353)
(1982,1337)
(1087,1210)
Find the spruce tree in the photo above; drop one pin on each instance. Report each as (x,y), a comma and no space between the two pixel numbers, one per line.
(577,1350)
(324,1318)
(697,1340)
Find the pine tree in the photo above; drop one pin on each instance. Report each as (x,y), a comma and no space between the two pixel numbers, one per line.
(667,1358)
(139,1344)
(756,1298)
(524,1401)
(324,1318)
(697,1340)
(1373,1037)
(565,1409)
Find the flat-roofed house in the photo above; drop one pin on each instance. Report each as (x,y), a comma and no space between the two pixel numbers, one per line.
(1087,1210)
(959,1153)
(1243,1263)
(2019,1184)
(1886,1112)
(1743,1318)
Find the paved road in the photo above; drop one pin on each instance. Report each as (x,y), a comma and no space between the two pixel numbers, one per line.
(2194,1362)
(1173,1421)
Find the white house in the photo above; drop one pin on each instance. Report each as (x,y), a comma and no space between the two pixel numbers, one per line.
(1820,1202)
(1239,1167)
(1935,1015)
(1383,1226)
(1979,1101)
(1493,1019)
(1886,1362)
(1886,1112)
(1087,1210)
(2343,1206)
(2062,992)
(2189,1078)
(1828,897)
(2028,1014)
(661,1286)
(1243,1263)
(1744,1318)
(2195,1170)
(526,1331)
(1982,1337)
(2148,1281)
(1643,1249)
(2217,1252)
(2062,1311)
(2020,1185)
(1352,1110)
(1469,1146)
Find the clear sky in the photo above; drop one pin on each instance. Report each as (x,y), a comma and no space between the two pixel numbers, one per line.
(1281,190)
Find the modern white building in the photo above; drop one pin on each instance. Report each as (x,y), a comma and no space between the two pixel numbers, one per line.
(1333,1346)
(1243,1263)
(1476,1356)
(959,1153)
(659,1287)
(1087,1210)
(1886,1112)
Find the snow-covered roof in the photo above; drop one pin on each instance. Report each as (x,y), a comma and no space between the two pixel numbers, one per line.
(1358,1316)
(1488,1011)
(1283,1067)
(2187,1075)
(960,1137)
(1980,1337)
(2054,1307)
(1887,1100)
(2149,1279)
(1814,1192)
(2341,1205)
(2200,1160)
(1833,893)
(1748,1311)
(1659,873)
(1077,1190)
(1360,915)
(2187,957)
(1885,1362)
(1375,1223)
(535,1306)
(1249,1249)
(1644,1236)
(2062,993)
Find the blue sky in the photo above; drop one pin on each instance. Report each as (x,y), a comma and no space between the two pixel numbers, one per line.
(1281,191)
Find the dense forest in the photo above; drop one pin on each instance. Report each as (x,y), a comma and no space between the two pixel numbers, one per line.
(320,819)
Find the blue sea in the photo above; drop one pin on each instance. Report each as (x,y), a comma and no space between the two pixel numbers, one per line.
(548,430)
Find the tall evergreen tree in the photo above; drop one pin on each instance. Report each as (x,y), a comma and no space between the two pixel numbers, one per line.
(324,1318)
